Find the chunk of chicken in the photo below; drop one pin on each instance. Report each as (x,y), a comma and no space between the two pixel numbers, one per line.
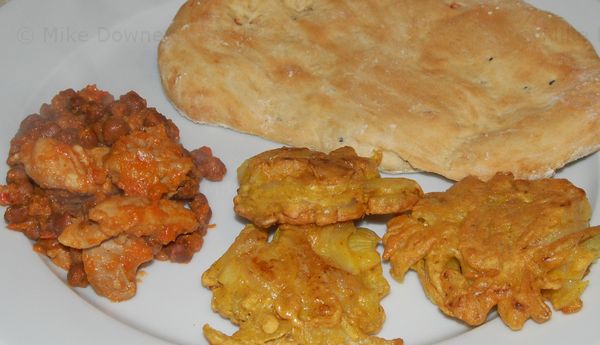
(119,159)
(148,163)
(82,234)
(162,220)
(111,267)
(54,164)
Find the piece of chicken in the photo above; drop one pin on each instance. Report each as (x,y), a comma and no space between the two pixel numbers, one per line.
(309,285)
(108,178)
(111,267)
(161,220)
(54,164)
(148,163)
(298,186)
(505,243)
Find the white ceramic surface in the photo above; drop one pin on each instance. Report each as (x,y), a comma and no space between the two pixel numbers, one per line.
(48,46)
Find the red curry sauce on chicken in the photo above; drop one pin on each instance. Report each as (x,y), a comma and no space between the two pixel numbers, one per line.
(103,186)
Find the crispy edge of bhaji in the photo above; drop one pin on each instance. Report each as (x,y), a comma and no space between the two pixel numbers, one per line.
(299,186)
(308,285)
(506,243)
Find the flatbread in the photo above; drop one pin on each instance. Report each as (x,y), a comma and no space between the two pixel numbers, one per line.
(452,87)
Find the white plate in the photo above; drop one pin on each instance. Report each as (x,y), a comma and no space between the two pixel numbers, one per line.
(52,45)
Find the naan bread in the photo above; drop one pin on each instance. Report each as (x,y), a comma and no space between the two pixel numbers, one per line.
(453,87)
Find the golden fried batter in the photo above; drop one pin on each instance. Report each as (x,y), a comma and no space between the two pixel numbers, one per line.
(506,243)
(298,186)
(309,285)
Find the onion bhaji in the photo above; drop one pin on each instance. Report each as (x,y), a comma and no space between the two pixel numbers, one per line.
(308,285)
(103,186)
(506,243)
(300,187)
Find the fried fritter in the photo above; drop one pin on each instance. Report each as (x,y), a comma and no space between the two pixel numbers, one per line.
(309,285)
(506,243)
(300,187)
